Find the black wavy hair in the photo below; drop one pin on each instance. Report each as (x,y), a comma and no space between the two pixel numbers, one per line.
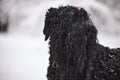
(75,53)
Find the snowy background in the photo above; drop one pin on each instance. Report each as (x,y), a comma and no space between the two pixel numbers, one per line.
(23,51)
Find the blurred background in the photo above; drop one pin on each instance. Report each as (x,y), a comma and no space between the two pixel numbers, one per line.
(23,51)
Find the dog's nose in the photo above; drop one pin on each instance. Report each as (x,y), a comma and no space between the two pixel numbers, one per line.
(46,37)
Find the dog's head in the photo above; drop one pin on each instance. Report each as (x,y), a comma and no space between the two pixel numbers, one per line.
(71,33)
(69,22)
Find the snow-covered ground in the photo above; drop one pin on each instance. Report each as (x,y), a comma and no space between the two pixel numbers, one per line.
(23,51)
(23,58)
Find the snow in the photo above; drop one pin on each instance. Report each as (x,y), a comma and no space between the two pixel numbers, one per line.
(23,58)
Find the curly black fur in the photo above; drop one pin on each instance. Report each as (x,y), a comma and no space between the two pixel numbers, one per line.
(75,53)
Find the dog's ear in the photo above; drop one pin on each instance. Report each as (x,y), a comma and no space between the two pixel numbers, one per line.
(92,34)
(48,22)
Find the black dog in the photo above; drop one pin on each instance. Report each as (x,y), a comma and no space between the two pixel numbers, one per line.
(75,53)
